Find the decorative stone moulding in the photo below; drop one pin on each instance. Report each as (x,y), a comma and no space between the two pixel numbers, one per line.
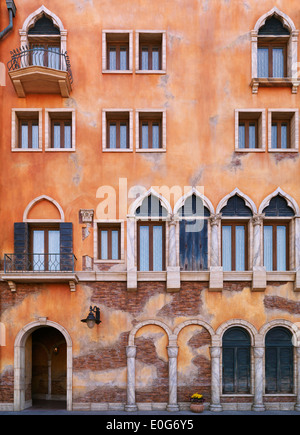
(86,216)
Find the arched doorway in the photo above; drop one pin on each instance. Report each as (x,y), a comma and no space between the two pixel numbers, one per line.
(43,366)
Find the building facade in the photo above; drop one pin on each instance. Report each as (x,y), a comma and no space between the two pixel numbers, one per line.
(150,246)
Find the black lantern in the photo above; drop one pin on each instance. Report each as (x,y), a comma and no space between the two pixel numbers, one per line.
(93,317)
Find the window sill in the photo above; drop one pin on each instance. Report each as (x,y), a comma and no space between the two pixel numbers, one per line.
(117,150)
(250,150)
(60,150)
(107,71)
(283,150)
(26,150)
(108,261)
(275,82)
(151,150)
(149,71)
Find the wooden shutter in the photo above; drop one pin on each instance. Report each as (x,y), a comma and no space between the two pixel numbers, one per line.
(66,246)
(193,245)
(228,370)
(21,246)
(243,370)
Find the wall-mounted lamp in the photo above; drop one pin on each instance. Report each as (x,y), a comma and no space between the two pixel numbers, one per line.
(93,317)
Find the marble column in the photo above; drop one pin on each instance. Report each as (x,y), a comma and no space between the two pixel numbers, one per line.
(131,354)
(173,271)
(172,354)
(131,267)
(297,407)
(215,405)
(258,404)
(259,282)
(215,221)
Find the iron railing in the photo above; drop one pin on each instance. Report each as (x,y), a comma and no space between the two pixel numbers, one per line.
(38,263)
(50,57)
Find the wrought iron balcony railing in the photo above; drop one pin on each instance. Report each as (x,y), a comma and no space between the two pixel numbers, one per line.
(37,263)
(50,57)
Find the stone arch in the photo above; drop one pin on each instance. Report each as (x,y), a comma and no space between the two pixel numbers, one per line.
(138,202)
(206,202)
(252,331)
(289,199)
(248,201)
(41,198)
(19,361)
(285,19)
(146,323)
(194,322)
(292,327)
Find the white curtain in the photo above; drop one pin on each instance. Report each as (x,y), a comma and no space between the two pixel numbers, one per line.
(284,134)
(144,135)
(268,247)
(281,248)
(144,248)
(24,134)
(274,136)
(123,59)
(155,59)
(68,136)
(112,136)
(35,136)
(38,56)
(155,135)
(278,62)
(115,245)
(104,245)
(240,248)
(54,250)
(38,251)
(112,59)
(54,57)
(263,62)
(242,136)
(157,248)
(145,64)
(123,136)
(56,138)
(252,136)
(226,247)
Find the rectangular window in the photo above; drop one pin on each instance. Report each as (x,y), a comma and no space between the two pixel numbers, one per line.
(150,57)
(46,54)
(193,245)
(109,242)
(118,134)
(248,134)
(271,60)
(61,134)
(234,246)
(151,51)
(45,249)
(280,134)
(29,134)
(118,57)
(151,246)
(150,133)
(276,246)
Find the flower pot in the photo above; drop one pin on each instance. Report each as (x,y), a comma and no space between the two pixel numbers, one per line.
(197,407)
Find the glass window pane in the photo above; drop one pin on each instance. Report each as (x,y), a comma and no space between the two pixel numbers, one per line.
(38,251)
(104,245)
(281,248)
(54,248)
(155,135)
(123,58)
(263,62)
(24,136)
(115,245)
(157,248)
(226,247)
(284,136)
(278,62)
(155,59)
(38,56)
(268,247)
(145,135)
(112,59)
(35,136)
(242,142)
(145,60)
(274,136)
(123,136)
(56,138)
(144,248)
(240,248)
(112,135)
(252,136)
(68,135)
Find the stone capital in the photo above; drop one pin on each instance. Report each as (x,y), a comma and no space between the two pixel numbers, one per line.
(172,351)
(86,216)
(257,219)
(258,352)
(215,219)
(131,351)
(215,352)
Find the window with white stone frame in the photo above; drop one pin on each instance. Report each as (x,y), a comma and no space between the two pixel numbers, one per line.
(283,128)
(150,52)
(26,130)
(274,42)
(117,51)
(250,130)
